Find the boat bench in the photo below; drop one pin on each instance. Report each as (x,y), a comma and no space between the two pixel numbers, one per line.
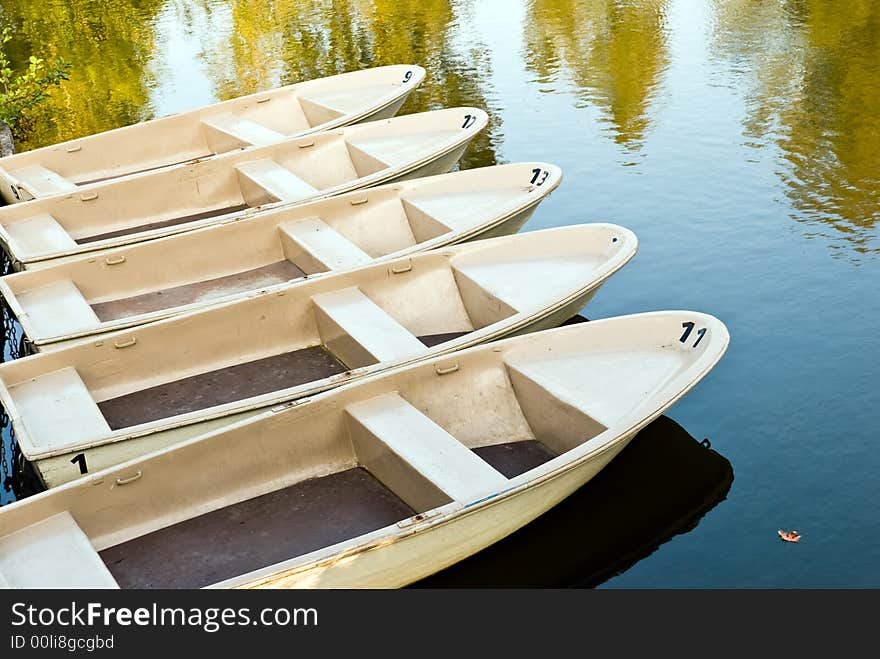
(42,182)
(314,246)
(53,553)
(482,293)
(57,308)
(321,107)
(563,411)
(360,332)
(227,131)
(433,214)
(414,457)
(75,417)
(396,150)
(261,177)
(39,234)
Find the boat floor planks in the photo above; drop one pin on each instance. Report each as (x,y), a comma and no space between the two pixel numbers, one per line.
(252,534)
(431,340)
(273,527)
(267,275)
(221,386)
(515,458)
(195,217)
(230,384)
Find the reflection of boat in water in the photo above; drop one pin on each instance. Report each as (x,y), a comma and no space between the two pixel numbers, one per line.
(659,486)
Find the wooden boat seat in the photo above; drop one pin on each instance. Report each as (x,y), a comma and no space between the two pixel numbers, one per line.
(279,182)
(483,297)
(57,308)
(41,182)
(53,553)
(398,149)
(623,384)
(443,212)
(75,416)
(40,234)
(314,246)
(321,107)
(406,450)
(227,131)
(563,408)
(360,332)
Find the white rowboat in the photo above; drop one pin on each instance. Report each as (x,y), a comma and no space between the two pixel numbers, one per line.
(147,281)
(376,484)
(184,197)
(131,392)
(255,120)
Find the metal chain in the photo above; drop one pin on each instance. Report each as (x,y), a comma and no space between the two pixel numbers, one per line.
(12,344)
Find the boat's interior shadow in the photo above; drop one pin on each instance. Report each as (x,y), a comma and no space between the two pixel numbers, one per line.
(658,487)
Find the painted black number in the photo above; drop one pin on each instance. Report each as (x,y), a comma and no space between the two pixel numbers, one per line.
(469,121)
(688,328)
(687,332)
(537,173)
(407,77)
(80,459)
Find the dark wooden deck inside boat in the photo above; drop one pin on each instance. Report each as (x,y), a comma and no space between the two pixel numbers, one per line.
(432,340)
(226,385)
(252,534)
(515,458)
(240,282)
(221,386)
(195,217)
(278,526)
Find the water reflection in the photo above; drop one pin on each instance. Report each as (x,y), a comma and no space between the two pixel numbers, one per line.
(814,85)
(612,51)
(659,486)
(284,41)
(108,44)
(136,60)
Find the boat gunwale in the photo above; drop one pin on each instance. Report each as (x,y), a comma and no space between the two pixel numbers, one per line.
(439,242)
(382,177)
(504,328)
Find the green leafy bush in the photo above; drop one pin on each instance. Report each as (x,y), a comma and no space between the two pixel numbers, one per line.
(22,93)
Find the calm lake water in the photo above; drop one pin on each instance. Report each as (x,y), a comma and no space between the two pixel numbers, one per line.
(739,139)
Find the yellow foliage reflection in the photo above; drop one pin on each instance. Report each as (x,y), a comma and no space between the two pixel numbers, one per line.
(282,41)
(613,50)
(815,94)
(108,43)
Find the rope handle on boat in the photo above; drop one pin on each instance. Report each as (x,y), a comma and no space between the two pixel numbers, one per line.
(88,196)
(130,479)
(115,260)
(400,269)
(125,344)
